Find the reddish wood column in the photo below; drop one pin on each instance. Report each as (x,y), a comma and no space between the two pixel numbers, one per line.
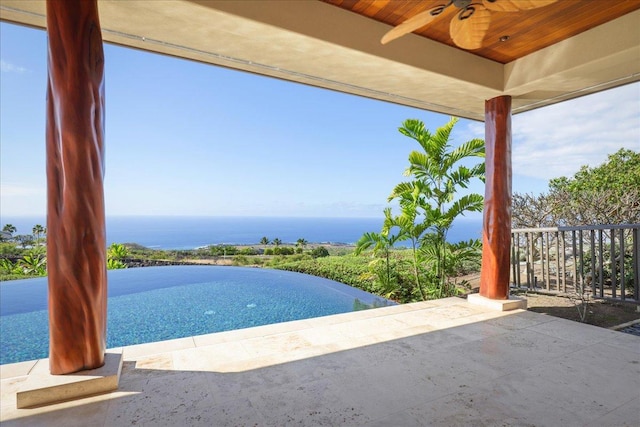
(76,243)
(496,228)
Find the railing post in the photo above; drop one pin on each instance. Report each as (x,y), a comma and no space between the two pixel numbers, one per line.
(592,247)
(622,291)
(563,265)
(597,266)
(513,259)
(529,257)
(581,246)
(614,264)
(600,263)
(636,262)
(575,260)
(542,259)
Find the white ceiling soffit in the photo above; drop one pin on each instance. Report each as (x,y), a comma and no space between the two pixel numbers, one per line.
(322,45)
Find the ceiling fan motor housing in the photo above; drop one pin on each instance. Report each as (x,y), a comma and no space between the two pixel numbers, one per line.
(461,3)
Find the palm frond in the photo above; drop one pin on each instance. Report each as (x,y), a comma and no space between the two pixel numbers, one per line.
(460,177)
(472,148)
(440,140)
(400,189)
(467,203)
(365,242)
(415,129)
(478,171)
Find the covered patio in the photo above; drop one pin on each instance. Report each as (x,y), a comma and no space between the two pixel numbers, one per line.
(436,363)
(445,362)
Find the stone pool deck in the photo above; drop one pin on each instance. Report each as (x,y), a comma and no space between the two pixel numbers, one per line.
(436,363)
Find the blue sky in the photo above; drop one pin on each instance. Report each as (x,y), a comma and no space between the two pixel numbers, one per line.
(183,138)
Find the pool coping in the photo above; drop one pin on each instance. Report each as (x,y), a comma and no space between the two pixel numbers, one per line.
(355,366)
(132,352)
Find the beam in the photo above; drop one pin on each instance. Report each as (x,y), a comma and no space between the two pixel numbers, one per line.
(496,227)
(76,241)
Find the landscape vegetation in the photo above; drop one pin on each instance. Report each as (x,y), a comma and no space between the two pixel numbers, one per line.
(428,203)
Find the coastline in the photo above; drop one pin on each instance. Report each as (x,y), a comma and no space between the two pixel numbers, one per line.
(187,233)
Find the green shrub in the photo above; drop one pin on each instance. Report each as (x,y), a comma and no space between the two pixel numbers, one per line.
(240,260)
(248,251)
(348,269)
(115,264)
(9,268)
(10,249)
(319,252)
(33,264)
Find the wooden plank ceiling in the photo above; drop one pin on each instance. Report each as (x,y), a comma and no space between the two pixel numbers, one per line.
(527,31)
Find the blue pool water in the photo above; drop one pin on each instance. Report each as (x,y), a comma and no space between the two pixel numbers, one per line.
(159,303)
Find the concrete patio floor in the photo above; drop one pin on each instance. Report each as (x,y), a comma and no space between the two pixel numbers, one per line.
(437,363)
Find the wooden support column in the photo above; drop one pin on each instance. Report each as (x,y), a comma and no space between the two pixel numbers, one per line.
(76,242)
(496,228)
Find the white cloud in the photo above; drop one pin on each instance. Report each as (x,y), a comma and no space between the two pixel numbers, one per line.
(7,67)
(557,140)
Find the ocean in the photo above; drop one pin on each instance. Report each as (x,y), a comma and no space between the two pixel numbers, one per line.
(189,232)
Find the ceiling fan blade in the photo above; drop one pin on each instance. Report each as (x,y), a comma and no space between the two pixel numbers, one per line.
(515,5)
(412,24)
(469,27)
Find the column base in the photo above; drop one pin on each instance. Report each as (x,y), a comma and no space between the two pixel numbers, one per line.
(41,388)
(513,303)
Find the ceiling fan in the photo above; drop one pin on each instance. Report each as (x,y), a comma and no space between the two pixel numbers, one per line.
(471,23)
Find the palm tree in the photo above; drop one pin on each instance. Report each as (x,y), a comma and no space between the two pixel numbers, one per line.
(410,230)
(381,242)
(8,229)
(438,176)
(38,230)
(277,242)
(301,243)
(264,241)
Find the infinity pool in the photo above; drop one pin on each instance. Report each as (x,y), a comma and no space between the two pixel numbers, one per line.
(160,303)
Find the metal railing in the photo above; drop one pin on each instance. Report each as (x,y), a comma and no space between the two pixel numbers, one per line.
(602,261)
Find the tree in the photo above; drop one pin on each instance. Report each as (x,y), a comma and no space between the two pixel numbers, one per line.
(300,245)
(381,242)
(24,240)
(319,252)
(9,229)
(264,241)
(276,242)
(438,176)
(529,210)
(606,194)
(409,228)
(38,230)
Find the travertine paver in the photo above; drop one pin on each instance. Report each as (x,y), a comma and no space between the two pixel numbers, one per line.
(439,363)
